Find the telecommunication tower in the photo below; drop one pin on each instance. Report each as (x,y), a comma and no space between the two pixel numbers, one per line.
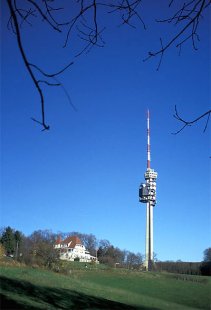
(147,194)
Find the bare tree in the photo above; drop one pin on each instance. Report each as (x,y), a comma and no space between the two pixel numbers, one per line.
(133,260)
(39,248)
(85,22)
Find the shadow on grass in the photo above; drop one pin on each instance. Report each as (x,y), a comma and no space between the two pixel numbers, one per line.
(38,297)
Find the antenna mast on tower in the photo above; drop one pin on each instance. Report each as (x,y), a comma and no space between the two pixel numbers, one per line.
(147,194)
(148,142)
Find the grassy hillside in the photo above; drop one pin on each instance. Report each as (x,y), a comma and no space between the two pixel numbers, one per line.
(32,288)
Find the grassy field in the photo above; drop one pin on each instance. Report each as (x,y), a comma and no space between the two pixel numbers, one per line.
(34,288)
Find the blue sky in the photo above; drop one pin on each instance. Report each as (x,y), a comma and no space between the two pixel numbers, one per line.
(84,174)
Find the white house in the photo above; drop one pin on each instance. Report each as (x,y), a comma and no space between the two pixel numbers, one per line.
(72,248)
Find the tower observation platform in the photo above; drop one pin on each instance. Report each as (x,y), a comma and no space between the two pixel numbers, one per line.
(147,191)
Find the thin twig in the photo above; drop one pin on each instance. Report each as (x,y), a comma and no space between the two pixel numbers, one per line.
(189,123)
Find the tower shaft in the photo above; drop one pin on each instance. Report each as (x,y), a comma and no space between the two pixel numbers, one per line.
(149,236)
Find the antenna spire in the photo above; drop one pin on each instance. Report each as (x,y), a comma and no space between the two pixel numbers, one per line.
(148,142)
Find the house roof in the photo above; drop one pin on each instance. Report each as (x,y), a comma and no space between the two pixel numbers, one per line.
(73,239)
(58,240)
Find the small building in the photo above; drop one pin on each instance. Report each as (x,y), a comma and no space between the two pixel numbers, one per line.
(71,249)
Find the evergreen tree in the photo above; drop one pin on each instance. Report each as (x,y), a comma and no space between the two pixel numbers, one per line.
(8,240)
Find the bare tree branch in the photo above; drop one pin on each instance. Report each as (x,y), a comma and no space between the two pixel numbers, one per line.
(18,35)
(49,11)
(189,123)
(43,15)
(89,31)
(52,74)
(48,83)
(190,14)
(66,94)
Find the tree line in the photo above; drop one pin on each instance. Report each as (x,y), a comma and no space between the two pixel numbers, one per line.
(190,268)
(38,249)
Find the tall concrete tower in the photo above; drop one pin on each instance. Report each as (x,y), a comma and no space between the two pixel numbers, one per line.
(147,194)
